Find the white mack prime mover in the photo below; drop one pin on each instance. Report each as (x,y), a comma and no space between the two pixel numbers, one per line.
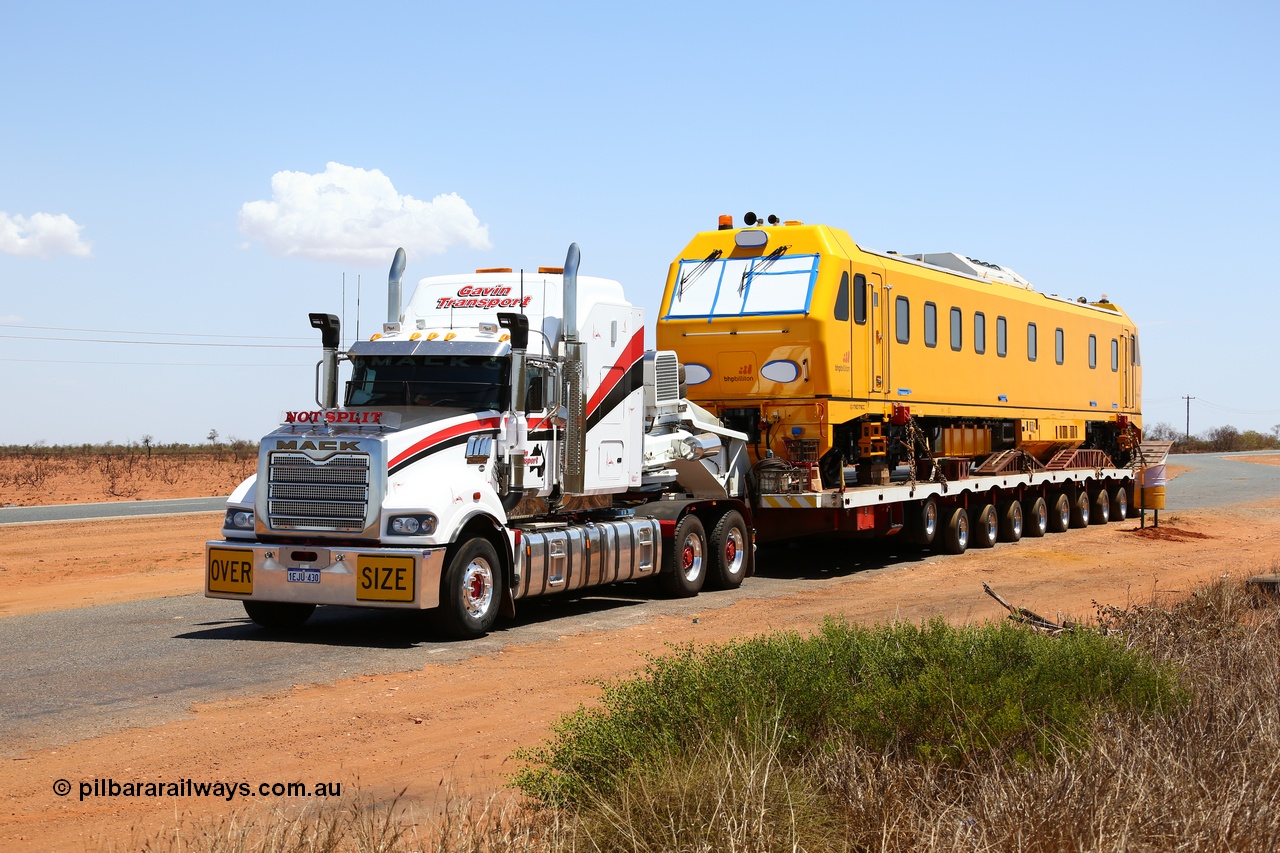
(489,446)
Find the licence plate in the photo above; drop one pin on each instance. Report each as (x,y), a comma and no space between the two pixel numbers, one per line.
(384,578)
(303,576)
(230,571)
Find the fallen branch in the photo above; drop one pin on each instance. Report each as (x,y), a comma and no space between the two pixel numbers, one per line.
(1028,617)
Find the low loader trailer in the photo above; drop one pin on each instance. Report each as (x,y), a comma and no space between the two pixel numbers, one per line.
(506,436)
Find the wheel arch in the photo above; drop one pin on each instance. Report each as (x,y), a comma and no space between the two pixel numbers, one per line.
(481,525)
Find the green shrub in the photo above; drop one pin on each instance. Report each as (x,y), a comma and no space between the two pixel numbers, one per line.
(933,692)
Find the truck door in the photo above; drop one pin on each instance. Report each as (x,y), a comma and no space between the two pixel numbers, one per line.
(540,460)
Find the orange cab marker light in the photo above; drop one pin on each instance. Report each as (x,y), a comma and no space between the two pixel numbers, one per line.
(415,336)
(726,221)
(494,269)
(433,336)
(793,222)
(504,337)
(375,337)
(551,270)
(450,336)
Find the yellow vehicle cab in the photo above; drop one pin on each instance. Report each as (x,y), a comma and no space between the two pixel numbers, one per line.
(820,349)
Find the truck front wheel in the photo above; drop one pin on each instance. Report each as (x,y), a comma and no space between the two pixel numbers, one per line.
(472,591)
(684,568)
(278,615)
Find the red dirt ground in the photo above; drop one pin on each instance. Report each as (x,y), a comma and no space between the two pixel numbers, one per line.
(448,730)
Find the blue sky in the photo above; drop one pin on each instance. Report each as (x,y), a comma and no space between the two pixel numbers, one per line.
(162,174)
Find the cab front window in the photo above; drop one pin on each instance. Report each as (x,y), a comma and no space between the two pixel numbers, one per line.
(470,382)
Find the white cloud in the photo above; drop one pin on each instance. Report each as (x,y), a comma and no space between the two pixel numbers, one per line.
(350,215)
(41,235)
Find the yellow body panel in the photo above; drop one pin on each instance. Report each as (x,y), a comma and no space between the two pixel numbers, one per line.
(752,336)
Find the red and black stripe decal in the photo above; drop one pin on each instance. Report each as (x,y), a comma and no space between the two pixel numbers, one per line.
(625,376)
(450,436)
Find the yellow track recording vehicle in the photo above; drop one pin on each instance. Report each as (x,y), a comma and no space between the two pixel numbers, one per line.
(826,352)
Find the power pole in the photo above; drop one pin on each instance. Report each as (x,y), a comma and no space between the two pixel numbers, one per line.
(1188,399)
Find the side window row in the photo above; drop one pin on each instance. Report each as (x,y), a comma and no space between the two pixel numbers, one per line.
(902,312)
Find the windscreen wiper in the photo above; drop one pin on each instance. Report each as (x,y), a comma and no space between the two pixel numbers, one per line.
(687,278)
(765,262)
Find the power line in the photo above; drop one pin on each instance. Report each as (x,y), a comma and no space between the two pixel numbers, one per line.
(170,334)
(156,343)
(147,363)
(1205,402)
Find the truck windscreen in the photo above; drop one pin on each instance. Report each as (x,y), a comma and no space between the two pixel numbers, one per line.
(470,382)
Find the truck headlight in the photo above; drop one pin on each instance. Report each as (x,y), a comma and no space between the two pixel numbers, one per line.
(408,525)
(239,519)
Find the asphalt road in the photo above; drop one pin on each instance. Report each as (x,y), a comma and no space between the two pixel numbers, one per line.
(73,674)
(114,509)
(1220,479)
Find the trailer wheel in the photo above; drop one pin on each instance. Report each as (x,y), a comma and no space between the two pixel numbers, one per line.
(1060,513)
(1119,503)
(955,531)
(729,552)
(472,591)
(1036,513)
(279,615)
(1101,510)
(984,527)
(684,568)
(922,522)
(1011,522)
(1080,509)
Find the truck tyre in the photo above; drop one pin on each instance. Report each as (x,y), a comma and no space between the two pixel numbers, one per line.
(471,591)
(279,615)
(1080,509)
(984,528)
(1100,512)
(1119,503)
(730,544)
(1059,513)
(955,531)
(1036,514)
(922,522)
(684,566)
(1011,521)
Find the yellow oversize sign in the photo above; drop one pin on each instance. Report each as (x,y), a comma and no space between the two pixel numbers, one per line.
(230,571)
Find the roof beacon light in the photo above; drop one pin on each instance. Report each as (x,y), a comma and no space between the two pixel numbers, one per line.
(726,221)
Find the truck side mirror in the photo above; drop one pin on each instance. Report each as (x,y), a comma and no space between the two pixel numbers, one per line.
(518,326)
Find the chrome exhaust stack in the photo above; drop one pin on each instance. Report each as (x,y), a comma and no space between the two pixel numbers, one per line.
(394,287)
(575,434)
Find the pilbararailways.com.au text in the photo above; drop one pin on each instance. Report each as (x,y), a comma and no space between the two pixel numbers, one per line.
(226,790)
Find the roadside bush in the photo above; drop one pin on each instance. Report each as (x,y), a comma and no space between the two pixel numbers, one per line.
(933,692)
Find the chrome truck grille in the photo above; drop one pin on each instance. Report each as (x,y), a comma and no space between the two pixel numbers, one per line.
(330,495)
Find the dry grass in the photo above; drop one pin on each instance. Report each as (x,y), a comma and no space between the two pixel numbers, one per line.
(1203,776)
(44,475)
